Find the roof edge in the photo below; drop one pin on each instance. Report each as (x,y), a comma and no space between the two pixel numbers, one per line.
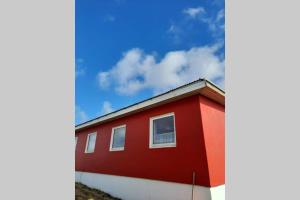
(186,89)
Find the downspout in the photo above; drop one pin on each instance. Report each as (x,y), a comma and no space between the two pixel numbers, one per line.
(193,184)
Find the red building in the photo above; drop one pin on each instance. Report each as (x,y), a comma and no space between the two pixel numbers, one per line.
(167,147)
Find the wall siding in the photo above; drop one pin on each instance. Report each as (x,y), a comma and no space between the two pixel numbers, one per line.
(129,188)
(213,121)
(165,164)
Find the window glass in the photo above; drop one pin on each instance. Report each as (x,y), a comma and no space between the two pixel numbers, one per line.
(118,137)
(91,142)
(76,138)
(163,130)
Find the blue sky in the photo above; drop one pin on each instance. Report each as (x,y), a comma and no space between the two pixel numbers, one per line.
(129,50)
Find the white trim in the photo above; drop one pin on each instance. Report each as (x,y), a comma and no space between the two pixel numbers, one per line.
(165,145)
(112,138)
(87,141)
(76,138)
(194,88)
(217,192)
(126,188)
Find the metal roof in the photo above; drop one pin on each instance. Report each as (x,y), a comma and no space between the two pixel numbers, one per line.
(142,105)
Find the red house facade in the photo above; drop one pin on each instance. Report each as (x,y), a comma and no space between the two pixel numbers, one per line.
(168,147)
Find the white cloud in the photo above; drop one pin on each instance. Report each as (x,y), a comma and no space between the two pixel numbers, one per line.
(106,108)
(80,114)
(79,72)
(215,23)
(220,15)
(79,69)
(173,29)
(217,2)
(194,12)
(176,33)
(120,2)
(104,79)
(109,18)
(212,21)
(136,70)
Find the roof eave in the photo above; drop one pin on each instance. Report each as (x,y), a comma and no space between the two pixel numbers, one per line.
(201,86)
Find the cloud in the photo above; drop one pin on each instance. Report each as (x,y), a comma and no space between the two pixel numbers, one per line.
(220,15)
(80,114)
(217,2)
(109,18)
(176,33)
(215,23)
(212,21)
(79,69)
(106,108)
(103,79)
(194,12)
(173,29)
(79,72)
(137,71)
(120,2)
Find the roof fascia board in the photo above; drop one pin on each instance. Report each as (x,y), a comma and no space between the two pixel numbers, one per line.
(192,88)
(215,87)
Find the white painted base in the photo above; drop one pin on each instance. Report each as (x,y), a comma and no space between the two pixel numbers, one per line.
(128,188)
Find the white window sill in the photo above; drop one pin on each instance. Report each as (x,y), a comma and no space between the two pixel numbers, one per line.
(117,149)
(167,145)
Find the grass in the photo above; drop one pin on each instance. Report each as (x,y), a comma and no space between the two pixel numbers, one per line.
(83,192)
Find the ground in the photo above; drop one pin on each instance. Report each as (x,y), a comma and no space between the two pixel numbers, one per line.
(83,192)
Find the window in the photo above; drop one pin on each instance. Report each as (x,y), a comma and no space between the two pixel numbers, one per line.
(90,143)
(162,131)
(76,138)
(117,140)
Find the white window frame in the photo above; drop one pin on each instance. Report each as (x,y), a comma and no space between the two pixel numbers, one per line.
(112,138)
(165,145)
(87,142)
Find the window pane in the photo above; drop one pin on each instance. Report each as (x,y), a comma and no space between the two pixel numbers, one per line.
(91,142)
(163,130)
(118,137)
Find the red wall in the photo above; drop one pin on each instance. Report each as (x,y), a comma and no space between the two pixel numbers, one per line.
(213,120)
(138,160)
